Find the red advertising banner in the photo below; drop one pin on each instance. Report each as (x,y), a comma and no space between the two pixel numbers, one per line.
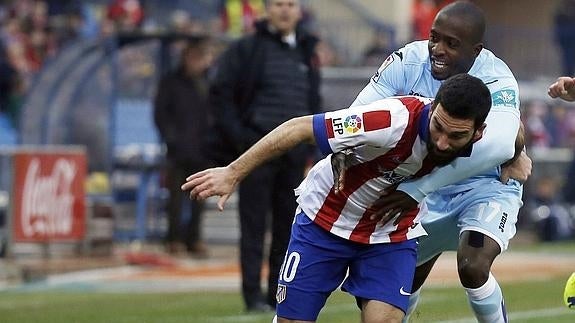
(48,203)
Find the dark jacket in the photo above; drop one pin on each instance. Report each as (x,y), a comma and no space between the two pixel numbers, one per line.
(236,80)
(180,112)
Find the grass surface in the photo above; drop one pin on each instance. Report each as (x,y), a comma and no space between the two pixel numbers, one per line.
(534,301)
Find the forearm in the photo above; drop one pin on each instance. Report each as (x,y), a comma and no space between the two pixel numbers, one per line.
(277,142)
(519,145)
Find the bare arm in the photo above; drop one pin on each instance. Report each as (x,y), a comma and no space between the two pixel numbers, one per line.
(563,88)
(518,167)
(222,181)
(277,142)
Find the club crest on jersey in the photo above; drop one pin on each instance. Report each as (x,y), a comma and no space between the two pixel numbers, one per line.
(281,293)
(505,98)
(383,66)
(391,177)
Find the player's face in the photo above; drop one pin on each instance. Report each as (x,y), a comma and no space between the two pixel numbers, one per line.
(283,15)
(449,136)
(451,50)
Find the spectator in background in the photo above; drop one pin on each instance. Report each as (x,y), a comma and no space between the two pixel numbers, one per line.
(180,113)
(536,125)
(125,15)
(238,16)
(8,77)
(565,34)
(551,218)
(261,81)
(423,12)
(564,88)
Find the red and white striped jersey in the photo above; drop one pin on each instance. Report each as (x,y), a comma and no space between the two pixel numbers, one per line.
(388,142)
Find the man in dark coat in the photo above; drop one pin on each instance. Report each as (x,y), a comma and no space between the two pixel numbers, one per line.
(181,115)
(261,81)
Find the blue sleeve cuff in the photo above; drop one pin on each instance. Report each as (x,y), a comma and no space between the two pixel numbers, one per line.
(320,133)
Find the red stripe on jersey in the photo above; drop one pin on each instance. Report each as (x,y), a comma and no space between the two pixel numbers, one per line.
(329,128)
(375,120)
(359,174)
(400,234)
(364,228)
(402,151)
(356,176)
(406,221)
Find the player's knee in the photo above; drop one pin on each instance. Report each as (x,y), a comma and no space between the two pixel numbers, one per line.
(473,274)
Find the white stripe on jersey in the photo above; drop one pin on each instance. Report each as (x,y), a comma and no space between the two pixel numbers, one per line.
(383,157)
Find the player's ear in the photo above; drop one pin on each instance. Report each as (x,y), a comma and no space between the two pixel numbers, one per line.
(479,132)
(477,49)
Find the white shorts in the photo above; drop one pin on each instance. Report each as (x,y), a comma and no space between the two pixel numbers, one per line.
(490,208)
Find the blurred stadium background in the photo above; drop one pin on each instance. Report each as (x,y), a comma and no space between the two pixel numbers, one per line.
(82,76)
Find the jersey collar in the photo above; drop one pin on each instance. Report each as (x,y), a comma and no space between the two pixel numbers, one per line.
(424,122)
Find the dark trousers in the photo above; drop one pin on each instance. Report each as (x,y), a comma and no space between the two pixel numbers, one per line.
(568,58)
(267,188)
(187,233)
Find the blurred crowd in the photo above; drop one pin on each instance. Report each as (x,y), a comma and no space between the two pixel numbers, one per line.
(33,31)
(549,124)
(550,199)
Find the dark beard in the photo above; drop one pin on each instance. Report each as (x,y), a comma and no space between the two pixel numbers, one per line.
(442,160)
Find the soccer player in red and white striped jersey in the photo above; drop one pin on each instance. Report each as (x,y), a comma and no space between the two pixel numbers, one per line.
(334,234)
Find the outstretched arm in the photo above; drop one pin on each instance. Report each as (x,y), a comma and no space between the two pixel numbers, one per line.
(563,88)
(222,181)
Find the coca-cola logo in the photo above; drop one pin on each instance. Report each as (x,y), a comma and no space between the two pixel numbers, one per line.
(47,200)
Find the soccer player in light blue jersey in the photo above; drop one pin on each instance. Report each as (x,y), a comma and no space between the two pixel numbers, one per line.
(476,216)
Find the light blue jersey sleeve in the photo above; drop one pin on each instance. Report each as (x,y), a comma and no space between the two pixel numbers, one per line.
(389,80)
(495,147)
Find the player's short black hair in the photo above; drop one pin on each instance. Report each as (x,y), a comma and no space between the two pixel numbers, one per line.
(466,97)
(470,14)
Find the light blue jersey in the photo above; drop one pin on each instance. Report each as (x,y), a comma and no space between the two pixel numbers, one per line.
(467,194)
(408,71)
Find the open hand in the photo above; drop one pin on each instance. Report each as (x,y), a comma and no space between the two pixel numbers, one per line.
(519,170)
(211,182)
(392,204)
(340,163)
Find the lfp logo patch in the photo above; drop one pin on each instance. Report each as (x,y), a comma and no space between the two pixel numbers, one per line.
(505,98)
(352,124)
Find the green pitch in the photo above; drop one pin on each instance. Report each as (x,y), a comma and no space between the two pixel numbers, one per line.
(532,301)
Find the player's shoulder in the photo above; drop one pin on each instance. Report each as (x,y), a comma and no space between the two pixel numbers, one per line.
(498,77)
(493,71)
(409,102)
(414,53)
